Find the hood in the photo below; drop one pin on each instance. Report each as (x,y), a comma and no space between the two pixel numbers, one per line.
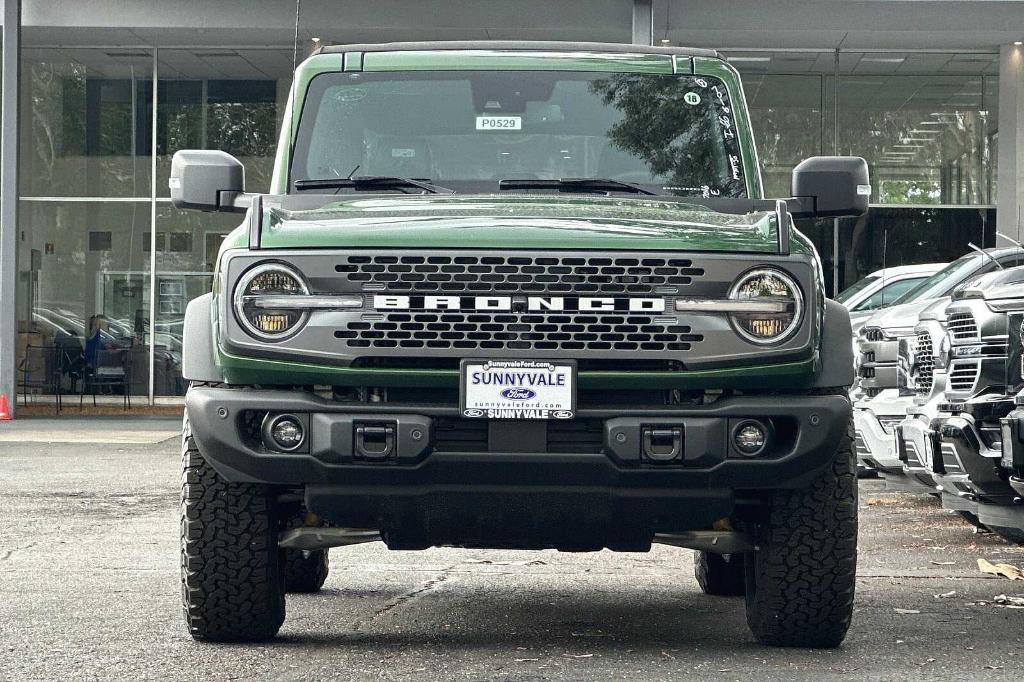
(902,317)
(520,221)
(1004,291)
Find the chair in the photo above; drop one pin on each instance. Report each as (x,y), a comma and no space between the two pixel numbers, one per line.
(38,370)
(112,368)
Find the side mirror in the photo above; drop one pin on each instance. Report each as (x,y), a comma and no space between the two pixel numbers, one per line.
(837,186)
(207,180)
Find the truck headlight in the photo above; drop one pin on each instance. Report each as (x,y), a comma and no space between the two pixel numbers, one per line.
(775,303)
(261,301)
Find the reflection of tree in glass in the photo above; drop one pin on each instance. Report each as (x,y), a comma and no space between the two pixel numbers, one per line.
(678,141)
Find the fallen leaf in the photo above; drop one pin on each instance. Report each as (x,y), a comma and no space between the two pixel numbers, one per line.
(1011,601)
(943,563)
(993,667)
(577,655)
(906,611)
(946,595)
(667,654)
(1005,570)
(526,660)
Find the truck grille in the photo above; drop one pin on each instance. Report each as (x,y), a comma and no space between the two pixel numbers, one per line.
(962,327)
(502,331)
(873,334)
(924,355)
(518,274)
(963,375)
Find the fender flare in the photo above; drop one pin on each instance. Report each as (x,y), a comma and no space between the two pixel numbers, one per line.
(836,352)
(198,356)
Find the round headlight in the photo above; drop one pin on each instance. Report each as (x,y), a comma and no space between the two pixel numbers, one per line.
(776,307)
(261,301)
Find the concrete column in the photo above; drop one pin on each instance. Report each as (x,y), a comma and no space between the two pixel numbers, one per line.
(9,197)
(643,22)
(1010,179)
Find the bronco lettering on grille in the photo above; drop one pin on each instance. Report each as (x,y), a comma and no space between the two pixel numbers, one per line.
(528,303)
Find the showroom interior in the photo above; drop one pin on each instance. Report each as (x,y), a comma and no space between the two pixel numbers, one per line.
(109,91)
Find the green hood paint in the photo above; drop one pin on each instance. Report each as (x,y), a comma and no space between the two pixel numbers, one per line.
(502,221)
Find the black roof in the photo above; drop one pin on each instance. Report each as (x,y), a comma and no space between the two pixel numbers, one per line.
(533,45)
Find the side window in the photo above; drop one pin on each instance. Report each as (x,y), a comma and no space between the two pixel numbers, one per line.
(887,294)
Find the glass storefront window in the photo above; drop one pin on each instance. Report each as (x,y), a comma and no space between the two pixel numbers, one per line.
(786,113)
(231,100)
(86,122)
(83,294)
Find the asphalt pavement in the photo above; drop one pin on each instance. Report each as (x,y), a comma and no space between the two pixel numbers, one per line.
(89,590)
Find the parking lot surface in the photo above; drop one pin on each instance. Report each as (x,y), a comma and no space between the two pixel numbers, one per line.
(89,589)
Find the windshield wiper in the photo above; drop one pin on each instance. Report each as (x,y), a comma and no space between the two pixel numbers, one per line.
(575,185)
(370,182)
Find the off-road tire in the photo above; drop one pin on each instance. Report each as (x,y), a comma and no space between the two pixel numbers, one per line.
(801,579)
(305,571)
(1010,534)
(232,585)
(721,575)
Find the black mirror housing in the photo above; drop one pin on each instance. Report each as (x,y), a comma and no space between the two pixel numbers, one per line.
(837,186)
(205,179)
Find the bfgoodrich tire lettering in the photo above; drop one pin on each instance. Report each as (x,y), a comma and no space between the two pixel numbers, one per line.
(231,579)
(800,581)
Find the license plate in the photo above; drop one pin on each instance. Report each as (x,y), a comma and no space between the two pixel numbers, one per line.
(518,389)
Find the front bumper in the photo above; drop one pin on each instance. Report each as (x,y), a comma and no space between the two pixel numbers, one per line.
(1012,440)
(875,446)
(913,442)
(428,477)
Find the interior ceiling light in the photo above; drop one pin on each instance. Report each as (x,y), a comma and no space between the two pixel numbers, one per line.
(915,131)
(884,60)
(749,59)
(1018,42)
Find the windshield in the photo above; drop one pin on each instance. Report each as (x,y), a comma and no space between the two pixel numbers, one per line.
(468,130)
(942,281)
(849,292)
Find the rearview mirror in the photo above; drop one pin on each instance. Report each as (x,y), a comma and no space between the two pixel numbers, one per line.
(836,186)
(206,179)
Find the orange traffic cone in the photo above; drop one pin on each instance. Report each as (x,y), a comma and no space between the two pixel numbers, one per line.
(5,408)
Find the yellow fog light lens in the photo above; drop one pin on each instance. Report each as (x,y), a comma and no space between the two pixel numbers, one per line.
(777,320)
(261,297)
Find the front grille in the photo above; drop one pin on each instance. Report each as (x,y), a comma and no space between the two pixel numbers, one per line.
(873,334)
(925,358)
(963,375)
(503,331)
(519,274)
(962,327)
(471,435)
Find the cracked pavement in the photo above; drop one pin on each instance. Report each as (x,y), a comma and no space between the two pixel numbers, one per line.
(89,589)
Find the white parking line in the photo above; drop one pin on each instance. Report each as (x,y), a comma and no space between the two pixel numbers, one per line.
(122,437)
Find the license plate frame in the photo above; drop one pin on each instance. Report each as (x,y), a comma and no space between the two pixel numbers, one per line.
(551,398)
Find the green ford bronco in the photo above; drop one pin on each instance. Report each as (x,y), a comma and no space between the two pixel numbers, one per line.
(518,295)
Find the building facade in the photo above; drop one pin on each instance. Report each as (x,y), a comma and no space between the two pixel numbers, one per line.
(928,92)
